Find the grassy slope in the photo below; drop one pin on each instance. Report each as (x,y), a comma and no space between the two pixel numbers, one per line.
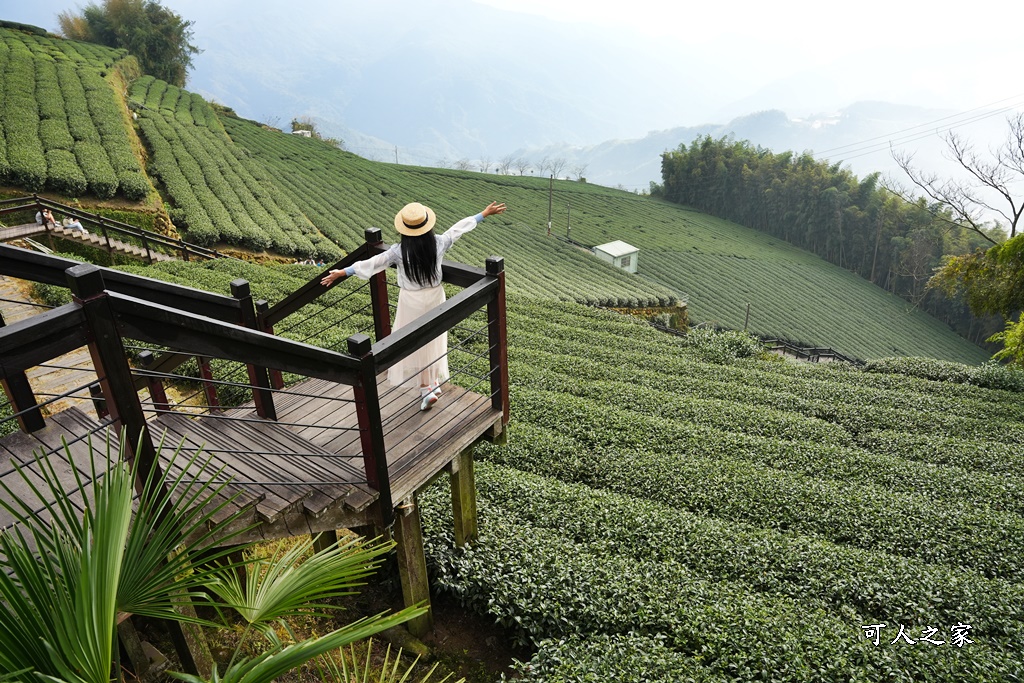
(717,266)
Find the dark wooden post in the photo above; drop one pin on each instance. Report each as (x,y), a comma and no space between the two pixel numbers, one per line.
(23,399)
(379,293)
(412,565)
(262,306)
(108,356)
(155,385)
(463,483)
(99,401)
(371,431)
(106,236)
(145,245)
(259,378)
(209,388)
(497,339)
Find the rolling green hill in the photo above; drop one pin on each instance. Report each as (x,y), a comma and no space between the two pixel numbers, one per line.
(227,180)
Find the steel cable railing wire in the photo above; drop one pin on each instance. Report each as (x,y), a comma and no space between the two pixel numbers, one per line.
(142,372)
(29,304)
(438,425)
(334,323)
(54,398)
(458,347)
(460,371)
(323,306)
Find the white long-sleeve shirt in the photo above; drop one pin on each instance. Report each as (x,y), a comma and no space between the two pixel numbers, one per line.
(367,268)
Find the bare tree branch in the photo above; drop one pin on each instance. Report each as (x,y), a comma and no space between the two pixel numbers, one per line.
(1000,173)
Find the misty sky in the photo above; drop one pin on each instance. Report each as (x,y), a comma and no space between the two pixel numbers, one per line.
(802,57)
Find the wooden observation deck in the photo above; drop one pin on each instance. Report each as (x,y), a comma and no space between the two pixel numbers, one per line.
(334,446)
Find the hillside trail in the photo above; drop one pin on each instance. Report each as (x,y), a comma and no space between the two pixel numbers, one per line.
(70,371)
(89,238)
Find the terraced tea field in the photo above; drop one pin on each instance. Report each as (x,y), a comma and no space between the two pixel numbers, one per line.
(656,516)
(675,508)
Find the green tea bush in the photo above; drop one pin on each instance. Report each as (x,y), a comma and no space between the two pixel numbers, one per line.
(63,173)
(722,346)
(621,657)
(925,368)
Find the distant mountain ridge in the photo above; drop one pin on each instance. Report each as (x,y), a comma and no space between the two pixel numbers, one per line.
(856,136)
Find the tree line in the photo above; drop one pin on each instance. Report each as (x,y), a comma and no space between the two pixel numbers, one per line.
(854,223)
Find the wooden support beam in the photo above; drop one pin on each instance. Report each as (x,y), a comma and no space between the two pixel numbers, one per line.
(259,377)
(371,431)
(99,401)
(412,565)
(463,482)
(497,339)
(22,398)
(157,394)
(132,645)
(262,306)
(378,292)
(190,644)
(324,541)
(209,387)
(115,376)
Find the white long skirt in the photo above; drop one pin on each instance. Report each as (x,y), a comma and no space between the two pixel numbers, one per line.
(429,363)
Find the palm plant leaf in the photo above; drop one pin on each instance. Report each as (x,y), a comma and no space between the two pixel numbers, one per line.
(280,658)
(284,585)
(65,573)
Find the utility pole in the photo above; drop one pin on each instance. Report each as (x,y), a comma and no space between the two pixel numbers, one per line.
(396,154)
(551,190)
(568,224)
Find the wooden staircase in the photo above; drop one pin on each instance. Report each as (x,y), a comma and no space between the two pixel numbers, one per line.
(106,243)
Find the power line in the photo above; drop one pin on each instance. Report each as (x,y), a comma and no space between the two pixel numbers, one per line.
(985,107)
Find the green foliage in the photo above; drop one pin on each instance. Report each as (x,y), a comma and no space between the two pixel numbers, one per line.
(62,126)
(156,36)
(738,520)
(219,193)
(991,375)
(824,208)
(1012,339)
(64,579)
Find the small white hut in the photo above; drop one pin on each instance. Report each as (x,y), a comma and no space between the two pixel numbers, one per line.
(619,254)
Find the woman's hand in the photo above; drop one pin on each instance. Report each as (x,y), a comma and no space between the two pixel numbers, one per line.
(333,275)
(493,208)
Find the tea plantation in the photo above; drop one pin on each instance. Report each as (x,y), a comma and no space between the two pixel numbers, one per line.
(673,509)
(78,123)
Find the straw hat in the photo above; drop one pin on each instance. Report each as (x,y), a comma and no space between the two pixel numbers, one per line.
(414,219)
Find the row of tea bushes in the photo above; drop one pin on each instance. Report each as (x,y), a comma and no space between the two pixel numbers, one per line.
(64,128)
(541,584)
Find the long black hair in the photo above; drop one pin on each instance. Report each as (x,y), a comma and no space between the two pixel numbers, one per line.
(419,258)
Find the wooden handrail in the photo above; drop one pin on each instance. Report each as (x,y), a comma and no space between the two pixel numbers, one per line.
(105,224)
(407,340)
(27,343)
(48,269)
(198,335)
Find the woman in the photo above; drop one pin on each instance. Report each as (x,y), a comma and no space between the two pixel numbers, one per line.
(418,259)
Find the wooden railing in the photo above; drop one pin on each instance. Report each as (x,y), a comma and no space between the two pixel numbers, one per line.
(110,306)
(150,242)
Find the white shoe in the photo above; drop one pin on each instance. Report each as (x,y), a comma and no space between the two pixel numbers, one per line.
(429,399)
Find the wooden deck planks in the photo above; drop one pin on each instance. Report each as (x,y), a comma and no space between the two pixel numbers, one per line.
(299,475)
